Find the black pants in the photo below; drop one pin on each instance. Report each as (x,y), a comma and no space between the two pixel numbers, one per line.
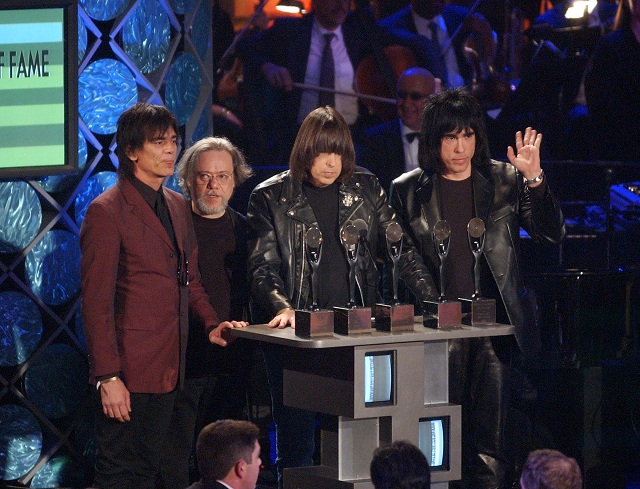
(479,381)
(128,455)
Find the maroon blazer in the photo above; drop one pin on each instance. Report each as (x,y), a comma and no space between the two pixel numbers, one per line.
(130,291)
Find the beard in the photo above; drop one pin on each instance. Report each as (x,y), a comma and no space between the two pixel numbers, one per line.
(206,209)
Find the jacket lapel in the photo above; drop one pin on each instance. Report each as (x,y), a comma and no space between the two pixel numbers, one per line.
(143,211)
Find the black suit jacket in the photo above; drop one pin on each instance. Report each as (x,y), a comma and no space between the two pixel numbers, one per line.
(382,153)
(287,43)
(402,22)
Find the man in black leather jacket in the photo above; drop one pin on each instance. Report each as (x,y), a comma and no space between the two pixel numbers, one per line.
(456,181)
(322,188)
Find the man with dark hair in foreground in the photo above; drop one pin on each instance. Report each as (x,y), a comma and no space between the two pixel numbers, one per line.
(400,465)
(228,454)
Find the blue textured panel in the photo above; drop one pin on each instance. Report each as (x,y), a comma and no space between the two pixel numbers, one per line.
(56,382)
(52,267)
(82,39)
(90,189)
(60,472)
(202,128)
(20,216)
(58,183)
(182,6)
(20,328)
(104,9)
(183,87)
(79,330)
(106,88)
(20,441)
(200,31)
(146,35)
(172,183)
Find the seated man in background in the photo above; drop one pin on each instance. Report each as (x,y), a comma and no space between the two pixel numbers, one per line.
(228,454)
(400,465)
(391,148)
(550,469)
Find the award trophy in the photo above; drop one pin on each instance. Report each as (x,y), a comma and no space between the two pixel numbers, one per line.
(443,313)
(351,319)
(396,316)
(483,311)
(314,322)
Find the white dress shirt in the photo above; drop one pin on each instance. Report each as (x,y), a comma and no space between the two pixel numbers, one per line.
(344,75)
(410,149)
(422,26)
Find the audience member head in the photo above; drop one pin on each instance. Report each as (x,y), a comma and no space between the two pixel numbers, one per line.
(323,132)
(413,88)
(228,450)
(330,14)
(400,465)
(550,469)
(209,172)
(628,13)
(451,111)
(140,124)
(428,9)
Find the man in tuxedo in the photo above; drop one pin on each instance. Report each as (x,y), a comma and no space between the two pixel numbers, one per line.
(138,284)
(432,23)
(228,454)
(321,49)
(391,148)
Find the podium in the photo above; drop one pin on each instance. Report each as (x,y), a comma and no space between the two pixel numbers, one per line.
(375,388)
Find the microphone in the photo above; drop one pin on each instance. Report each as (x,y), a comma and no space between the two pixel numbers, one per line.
(350,237)
(363,231)
(313,243)
(442,234)
(394,236)
(475,232)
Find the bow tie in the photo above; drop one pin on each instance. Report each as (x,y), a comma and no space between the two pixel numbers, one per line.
(411,136)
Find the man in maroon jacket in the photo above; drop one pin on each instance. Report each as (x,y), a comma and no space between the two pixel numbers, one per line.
(138,286)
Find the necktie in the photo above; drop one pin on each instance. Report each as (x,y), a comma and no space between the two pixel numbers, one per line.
(411,136)
(440,62)
(327,72)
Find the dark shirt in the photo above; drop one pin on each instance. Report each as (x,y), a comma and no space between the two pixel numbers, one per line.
(216,241)
(155,198)
(333,270)
(457,210)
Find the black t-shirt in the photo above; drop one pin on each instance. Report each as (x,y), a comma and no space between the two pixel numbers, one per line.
(333,272)
(457,210)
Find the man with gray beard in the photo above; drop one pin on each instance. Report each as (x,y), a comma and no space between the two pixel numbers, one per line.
(216,380)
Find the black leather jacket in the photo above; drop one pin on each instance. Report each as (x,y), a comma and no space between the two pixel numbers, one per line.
(279,216)
(505,204)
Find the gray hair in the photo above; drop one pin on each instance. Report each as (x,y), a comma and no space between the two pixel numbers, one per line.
(241,170)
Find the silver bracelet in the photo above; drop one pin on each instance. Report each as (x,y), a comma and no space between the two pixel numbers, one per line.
(535,180)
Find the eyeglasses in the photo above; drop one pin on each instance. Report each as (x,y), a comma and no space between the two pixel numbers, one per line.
(222,178)
(415,96)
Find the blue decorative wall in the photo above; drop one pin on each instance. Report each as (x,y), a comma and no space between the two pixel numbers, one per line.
(129,51)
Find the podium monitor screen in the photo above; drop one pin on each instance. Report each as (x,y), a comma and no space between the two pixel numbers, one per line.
(433,441)
(379,377)
(38,88)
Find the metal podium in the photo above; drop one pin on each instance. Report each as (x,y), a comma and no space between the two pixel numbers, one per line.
(327,375)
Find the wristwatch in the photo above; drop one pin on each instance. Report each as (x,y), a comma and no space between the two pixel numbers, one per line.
(535,180)
(106,381)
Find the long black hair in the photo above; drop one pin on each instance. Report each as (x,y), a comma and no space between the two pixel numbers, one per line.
(451,111)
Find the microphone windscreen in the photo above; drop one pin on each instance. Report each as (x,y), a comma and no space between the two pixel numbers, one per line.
(441,230)
(475,228)
(394,232)
(313,237)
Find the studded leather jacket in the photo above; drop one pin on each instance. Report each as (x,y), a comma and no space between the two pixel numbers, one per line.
(279,216)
